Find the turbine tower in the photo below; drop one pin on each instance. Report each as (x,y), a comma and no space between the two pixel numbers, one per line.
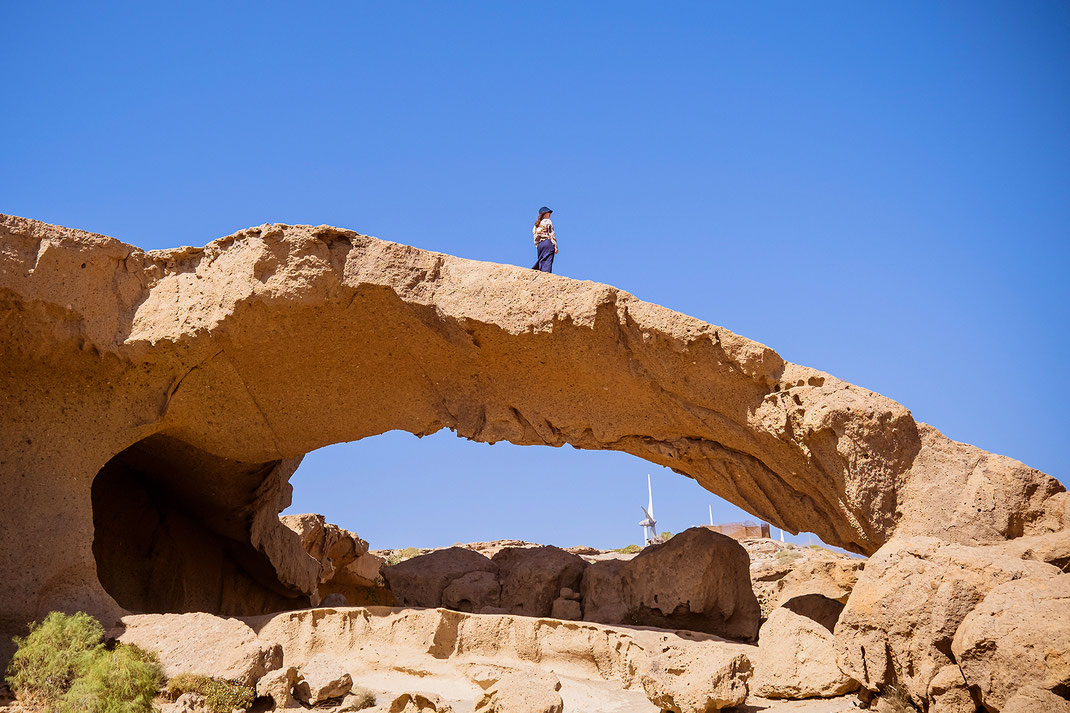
(647,523)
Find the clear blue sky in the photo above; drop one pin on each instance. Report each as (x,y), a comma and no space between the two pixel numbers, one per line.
(878,190)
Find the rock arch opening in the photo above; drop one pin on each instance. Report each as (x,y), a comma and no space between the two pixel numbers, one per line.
(174,528)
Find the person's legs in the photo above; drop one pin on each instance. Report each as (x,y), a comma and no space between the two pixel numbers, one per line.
(546,256)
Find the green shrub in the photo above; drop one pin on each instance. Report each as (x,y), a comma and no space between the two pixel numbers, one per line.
(629,550)
(787,556)
(121,680)
(666,536)
(52,655)
(221,696)
(397,556)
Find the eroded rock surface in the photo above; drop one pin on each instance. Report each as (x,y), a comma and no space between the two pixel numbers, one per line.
(1017,637)
(421,581)
(900,620)
(532,577)
(194,353)
(796,651)
(346,567)
(202,644)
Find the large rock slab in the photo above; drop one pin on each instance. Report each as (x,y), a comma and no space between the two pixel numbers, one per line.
(202,644)
(1018,637)
(796,651)
(900,620)
(674,680)
(270,343)
(697,580)
(532,577)
(380,639)
(420,581)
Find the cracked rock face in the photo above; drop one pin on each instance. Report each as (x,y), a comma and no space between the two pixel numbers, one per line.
(150,400)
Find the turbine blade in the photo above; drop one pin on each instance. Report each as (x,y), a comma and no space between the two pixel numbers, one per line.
(650,495)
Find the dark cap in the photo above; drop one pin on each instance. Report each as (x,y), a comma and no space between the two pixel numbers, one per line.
(544,209)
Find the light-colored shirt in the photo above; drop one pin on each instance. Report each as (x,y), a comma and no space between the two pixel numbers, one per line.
(544,231)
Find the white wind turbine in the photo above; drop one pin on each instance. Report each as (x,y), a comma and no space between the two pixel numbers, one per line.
(648,523)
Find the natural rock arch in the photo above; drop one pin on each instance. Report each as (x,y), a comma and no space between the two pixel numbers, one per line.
(277,340)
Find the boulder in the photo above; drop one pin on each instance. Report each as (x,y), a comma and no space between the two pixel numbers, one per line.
(793,572)
(602,592)
(520,692)
(566,609)
(1035,700)
(796,651)
(201,643)
(675,680)
(420,581)
(1017,637)
(278,685)
(698,580)
(948,692)
(419,703)
(335,599)
(473,592)
(532,577)
(321,679)
(899,621)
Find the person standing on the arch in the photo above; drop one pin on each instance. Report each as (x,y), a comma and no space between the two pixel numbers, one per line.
(545,241)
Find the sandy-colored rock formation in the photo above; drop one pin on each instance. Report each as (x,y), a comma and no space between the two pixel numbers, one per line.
(674,680)
(520,692)
(783,571)
(166,397)
(698,580)
(900,620)
(278,685)
(1017,637)
(346,567)
(419,703)
(203,644)
(796,651)
(532,577)
(948,692)
(421,581)
(435,644)
(322,678)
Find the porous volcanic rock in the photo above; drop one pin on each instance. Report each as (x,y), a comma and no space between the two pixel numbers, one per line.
(674,680)
(278,685)
(473,592)
(602,592)
(420,581)
(899,622)
(796,653)
(202,644)
(371,639)
(167,396)
(786,572)
(1017,637)
(697,580)
(948,692)
(532,577)
(322,678)
(346,566)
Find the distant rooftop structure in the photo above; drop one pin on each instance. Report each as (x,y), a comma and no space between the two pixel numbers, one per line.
(741,530)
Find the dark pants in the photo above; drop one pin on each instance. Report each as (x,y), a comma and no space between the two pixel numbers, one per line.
(546,256)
